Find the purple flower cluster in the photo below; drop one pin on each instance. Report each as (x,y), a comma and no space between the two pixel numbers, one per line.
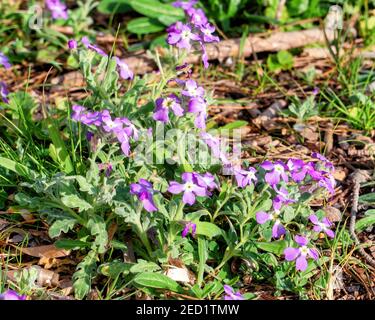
(192,100)
(299,170)
(123,68)
(279,172)
(144,191)
(194,184)
(4,92)
(231,295)
(301,254)
(58,9)
(197,32)
(4,61)
(122,128)
(11,295)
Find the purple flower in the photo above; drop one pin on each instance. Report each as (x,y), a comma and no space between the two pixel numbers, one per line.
(163,105)
(190,188)
(199,106)
(185,4)
(231,295)
(123,138)
(130,129)
(72,44)
(11,295)
(89,135)
(204,56)
(324,179)
(181,35)
(277,229)
(214,144)
(92,118)
(300,254)
(297,169)
(326,162)
(4,61)
(328,183)
(143,190)
(245,177)
(78,112)
(281,198)
(189,227)
(276,172)
(107,167)
(323,225)
(197,16)
(86,42)
(125,72)
(110,125)
(206,181)
(58,9)
(192,90)
(207,30)
(200,120)
(4,92)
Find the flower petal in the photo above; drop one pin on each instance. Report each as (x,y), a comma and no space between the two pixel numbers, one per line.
(302,241)
(313,253)
(188,197)
(301,263)
(314,219)
(262,217)
(175,187)
(291,253)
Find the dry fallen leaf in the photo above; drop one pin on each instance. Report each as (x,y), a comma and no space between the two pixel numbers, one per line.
(48,251)
(333,214)
(340,174)
(50,263)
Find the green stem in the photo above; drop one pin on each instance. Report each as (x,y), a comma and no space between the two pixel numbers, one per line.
(230,253)
(180,152)
(179,212)
(217,211)
(141,232)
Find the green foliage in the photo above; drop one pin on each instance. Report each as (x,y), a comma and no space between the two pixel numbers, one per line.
(156,281)
(367,221)
(83,276)
(303,111)
(282,60)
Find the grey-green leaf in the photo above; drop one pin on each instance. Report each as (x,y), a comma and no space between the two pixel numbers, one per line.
(73,201)
(82,277)
(61,225)
(157,281)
